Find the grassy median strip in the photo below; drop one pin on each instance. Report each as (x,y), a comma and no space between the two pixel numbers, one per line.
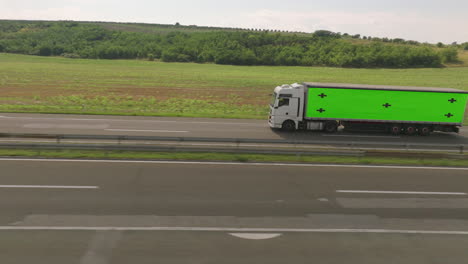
(132,155)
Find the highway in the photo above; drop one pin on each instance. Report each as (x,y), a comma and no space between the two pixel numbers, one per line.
(193,127)
(89,211)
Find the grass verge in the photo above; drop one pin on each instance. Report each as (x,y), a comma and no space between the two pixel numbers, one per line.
(97,154)
(134,87)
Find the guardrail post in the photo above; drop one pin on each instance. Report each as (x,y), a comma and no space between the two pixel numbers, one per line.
(298,156)
(298,153)
(462,149)
(58,139)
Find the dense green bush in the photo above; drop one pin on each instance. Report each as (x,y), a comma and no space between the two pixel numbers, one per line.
(237,47)
(449,55)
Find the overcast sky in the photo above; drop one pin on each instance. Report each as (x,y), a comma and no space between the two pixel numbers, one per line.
(422,20)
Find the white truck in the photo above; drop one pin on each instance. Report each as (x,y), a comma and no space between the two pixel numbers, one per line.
(397,109)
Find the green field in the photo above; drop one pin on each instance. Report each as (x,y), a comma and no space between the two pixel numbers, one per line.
(133,87)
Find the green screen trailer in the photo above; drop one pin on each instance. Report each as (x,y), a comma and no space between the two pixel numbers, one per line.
(438,108)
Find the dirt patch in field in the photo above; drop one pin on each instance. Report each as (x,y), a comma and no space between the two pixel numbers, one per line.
(238,96)
(247,97)
(32,91)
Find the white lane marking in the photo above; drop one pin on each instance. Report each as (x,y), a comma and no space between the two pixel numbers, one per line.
(137,130)
(101,247)
(65,126)
(54,140)
(228,229)
(360,136)
(401,192)
(255,236)
(48,187)
(132,120)
(239,163)
(403,203)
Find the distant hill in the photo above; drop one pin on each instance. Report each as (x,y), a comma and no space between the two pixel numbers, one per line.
(236,46)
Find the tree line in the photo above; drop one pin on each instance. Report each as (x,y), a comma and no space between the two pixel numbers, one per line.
(234,47)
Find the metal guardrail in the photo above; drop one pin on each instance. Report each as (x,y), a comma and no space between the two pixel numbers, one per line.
(354,148)
(107,147)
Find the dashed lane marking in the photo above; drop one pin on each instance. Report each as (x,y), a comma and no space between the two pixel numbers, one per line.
(142,130)
(133,120)
(48,187)
(402,192)
(255,236)
(360,136)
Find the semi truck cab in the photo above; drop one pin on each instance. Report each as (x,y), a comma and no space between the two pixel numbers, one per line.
(287,106)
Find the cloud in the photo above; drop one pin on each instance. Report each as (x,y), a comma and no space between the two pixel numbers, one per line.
(410,25)
(53,13)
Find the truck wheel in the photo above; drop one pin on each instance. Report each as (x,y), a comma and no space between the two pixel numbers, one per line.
(330,127)
(424,131)
(410,130)
(395,129)
(288,125)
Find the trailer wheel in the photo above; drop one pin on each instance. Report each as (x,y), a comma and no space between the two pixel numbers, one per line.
(424,131)
(395,129)
(330,127)
(288,125)
(410,130)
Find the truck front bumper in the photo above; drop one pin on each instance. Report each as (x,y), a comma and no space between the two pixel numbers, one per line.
(272,124)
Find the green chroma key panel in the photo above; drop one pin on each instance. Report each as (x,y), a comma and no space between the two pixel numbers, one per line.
(391,105)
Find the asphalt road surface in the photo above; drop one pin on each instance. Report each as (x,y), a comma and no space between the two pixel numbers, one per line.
(193,127)
(59,211)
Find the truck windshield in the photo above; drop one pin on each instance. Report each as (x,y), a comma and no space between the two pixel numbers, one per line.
(273,99)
